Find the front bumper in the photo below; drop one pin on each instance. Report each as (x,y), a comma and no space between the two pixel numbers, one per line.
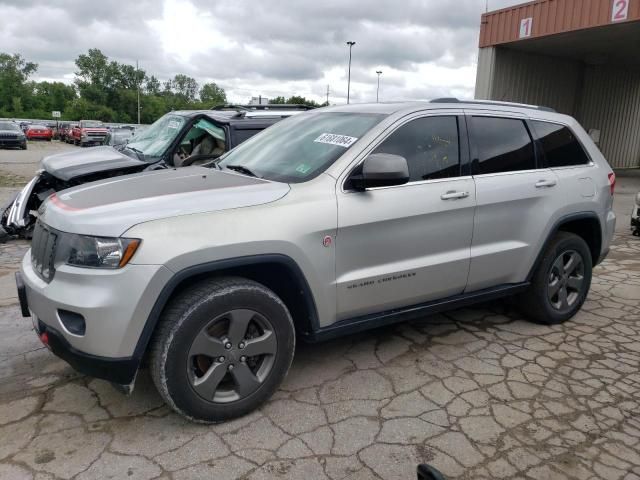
(93,139)
(114,304)
(18,142)
(121,371)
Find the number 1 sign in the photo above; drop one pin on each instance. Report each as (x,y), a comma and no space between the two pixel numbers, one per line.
(620,10)
(525,27)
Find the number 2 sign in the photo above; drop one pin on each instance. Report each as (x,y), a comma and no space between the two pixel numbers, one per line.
(620,10)
(525,27)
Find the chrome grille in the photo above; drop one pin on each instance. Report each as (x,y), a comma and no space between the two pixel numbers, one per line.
(43,251)
(9,136)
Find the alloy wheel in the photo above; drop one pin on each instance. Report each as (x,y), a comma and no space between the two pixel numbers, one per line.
(566,280)
(232,356)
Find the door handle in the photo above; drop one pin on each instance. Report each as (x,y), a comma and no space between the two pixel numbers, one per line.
(453,195)
(545,183)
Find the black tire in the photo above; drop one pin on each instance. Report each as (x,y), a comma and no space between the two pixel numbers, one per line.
(174,367)
(537,302)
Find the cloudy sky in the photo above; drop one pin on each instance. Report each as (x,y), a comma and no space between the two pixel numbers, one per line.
(425,48)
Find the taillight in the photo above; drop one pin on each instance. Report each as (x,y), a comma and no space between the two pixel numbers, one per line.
(612,182)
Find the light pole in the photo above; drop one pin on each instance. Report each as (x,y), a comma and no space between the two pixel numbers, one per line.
(379,72)
(351,44)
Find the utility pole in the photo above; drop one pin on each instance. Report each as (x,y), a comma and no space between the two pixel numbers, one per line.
(138,85)
(351,44)
(327,95)
(379,72)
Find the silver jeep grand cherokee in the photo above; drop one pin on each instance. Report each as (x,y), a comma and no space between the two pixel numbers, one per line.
(328,223)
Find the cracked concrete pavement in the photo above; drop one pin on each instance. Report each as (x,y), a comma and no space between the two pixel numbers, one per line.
(479,393)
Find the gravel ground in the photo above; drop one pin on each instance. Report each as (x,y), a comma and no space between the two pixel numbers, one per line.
(479,393)
(18,166)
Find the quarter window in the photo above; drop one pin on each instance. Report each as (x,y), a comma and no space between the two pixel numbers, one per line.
(503,145)
(245,134)
(430,145)
(560,146)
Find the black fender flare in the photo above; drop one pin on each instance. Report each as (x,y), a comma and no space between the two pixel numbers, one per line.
(211,268)
(589,215)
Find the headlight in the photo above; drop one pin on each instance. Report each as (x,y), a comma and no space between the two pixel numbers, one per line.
(96,252)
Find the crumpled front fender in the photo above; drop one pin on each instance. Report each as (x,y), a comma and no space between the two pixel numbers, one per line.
(17,217)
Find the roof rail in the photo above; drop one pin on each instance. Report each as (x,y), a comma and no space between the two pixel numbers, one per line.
(491,102)
(269,106)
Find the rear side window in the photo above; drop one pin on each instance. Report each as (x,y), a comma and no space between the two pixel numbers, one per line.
(502,145)
(245,134)
(430,145)
(560,146)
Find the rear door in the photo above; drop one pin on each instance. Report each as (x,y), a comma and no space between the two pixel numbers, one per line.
(562,152)
(516,197)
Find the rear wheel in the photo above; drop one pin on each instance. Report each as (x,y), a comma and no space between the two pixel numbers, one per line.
(561,281)
(222,348)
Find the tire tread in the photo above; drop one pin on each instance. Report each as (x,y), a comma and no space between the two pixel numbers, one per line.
(532,302)
(176,312)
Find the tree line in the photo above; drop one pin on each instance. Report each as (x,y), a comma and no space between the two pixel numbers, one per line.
(105,90)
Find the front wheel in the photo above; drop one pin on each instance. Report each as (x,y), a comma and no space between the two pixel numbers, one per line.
(222,348)
(561,281)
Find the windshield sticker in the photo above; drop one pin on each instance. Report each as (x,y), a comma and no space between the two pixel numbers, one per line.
(174,124)
(335,139)
(303,169)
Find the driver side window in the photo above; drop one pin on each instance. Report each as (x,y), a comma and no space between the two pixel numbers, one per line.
(430,146)
(203,142)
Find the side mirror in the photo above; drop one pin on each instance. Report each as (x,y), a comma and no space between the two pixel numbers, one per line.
(381,170)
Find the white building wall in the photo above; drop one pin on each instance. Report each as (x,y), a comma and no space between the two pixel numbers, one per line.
(484,73)
(611,104)
(600,97)
(536,79)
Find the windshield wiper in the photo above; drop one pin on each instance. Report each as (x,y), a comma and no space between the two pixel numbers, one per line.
(241,169)
(139,153)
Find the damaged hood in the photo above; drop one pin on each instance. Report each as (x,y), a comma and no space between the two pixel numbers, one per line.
(110,207)
(78,163)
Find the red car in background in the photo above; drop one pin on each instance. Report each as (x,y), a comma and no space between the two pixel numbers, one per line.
(39,132)
(89,132)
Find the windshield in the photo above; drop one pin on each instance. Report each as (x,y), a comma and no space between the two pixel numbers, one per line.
(154,140)
(302,147)
(91,124)
(8,126)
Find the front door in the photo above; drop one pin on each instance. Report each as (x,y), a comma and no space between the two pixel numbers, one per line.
(408,244)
